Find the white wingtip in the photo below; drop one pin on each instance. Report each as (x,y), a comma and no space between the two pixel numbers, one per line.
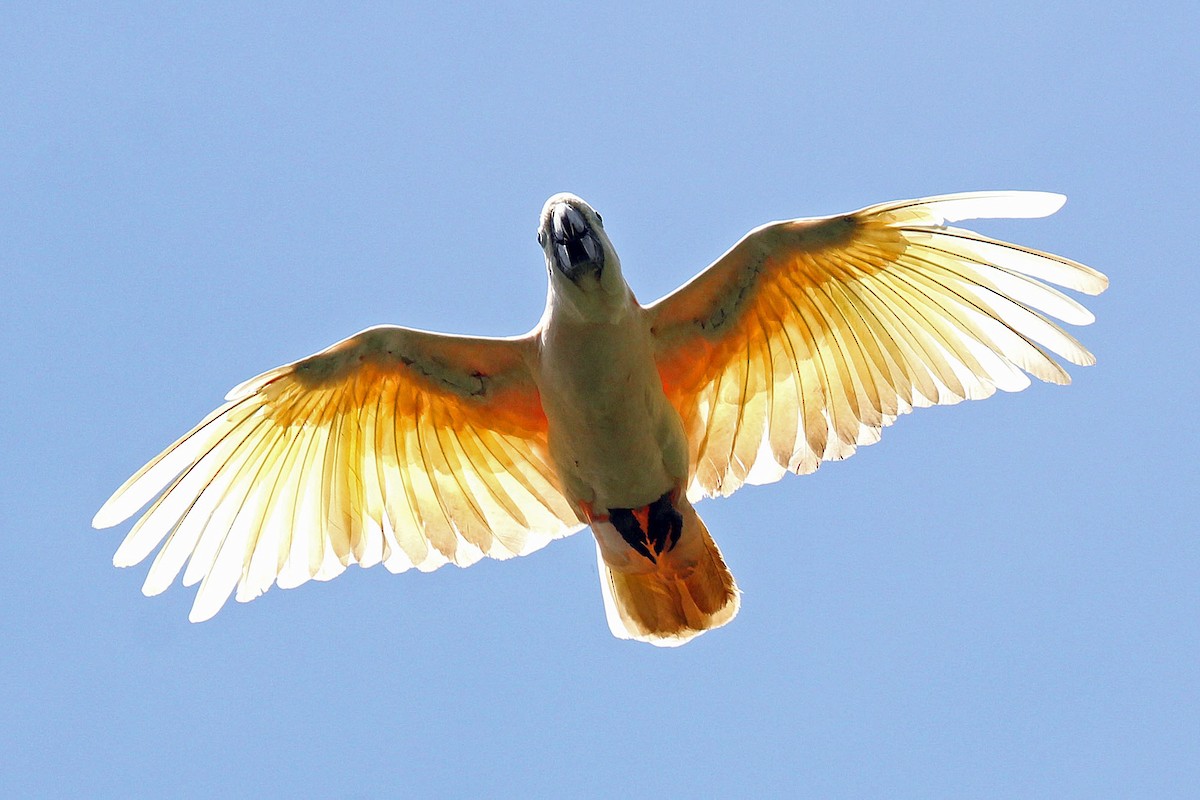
(995,205)
(202,615)
(1038,204)
(113,512)
(207,603)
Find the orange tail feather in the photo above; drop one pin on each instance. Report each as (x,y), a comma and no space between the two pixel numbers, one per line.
(685,592)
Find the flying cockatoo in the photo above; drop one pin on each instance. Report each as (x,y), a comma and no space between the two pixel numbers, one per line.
(417,449)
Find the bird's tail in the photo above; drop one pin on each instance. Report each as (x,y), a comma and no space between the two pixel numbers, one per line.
(671,598)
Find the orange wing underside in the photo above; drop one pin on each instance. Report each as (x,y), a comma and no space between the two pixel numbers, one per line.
(346,460)
(824,347)
(794,363)
(444,469)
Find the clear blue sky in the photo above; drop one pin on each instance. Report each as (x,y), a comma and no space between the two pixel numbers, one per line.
(999,600)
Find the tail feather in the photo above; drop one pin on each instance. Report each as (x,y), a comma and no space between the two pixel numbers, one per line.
(686,592)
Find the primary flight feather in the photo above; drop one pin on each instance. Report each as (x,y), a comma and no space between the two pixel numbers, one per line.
(417,449)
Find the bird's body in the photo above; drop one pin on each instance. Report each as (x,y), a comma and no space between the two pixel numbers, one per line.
(416,449)
(614,438)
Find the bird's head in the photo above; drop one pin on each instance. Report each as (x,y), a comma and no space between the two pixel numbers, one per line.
(577,249)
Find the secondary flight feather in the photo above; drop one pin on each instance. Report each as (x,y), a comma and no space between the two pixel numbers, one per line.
(417,449)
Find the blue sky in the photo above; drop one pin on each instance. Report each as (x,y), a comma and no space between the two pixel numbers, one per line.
(998,600)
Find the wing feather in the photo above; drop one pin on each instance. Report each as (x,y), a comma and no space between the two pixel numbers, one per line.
(809,337)
(395,446)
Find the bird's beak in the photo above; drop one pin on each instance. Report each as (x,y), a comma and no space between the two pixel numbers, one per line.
(575,249)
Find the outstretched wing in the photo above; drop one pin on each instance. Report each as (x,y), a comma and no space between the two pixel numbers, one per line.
(398,446)
(809,336)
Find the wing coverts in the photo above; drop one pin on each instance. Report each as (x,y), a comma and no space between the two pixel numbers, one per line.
(394,446)
(809,336)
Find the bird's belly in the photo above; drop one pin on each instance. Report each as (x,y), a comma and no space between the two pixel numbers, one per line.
(614,439)
(615,459)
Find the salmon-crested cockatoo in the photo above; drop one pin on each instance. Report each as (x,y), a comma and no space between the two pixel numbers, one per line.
(418,449)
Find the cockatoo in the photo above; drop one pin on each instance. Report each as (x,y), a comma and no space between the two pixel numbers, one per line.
(418,449)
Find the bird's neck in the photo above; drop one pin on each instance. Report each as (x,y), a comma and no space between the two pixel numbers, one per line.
(603,299)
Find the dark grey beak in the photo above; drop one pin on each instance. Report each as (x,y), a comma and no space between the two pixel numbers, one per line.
(575,248)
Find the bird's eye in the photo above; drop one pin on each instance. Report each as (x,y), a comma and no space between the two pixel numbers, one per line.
(541,238)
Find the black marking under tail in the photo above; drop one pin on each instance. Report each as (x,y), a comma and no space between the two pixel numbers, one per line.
(651,530)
